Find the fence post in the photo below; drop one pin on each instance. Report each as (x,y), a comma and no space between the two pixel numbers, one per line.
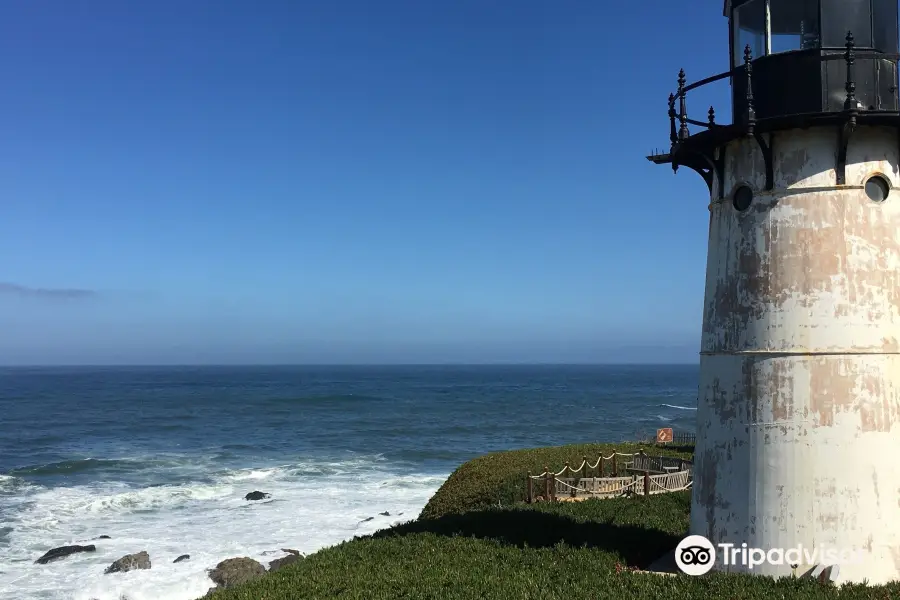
(615,464)
(530,487)
(547,494)
(600,467)
(584,473)
(552,487)
(646,483)
(567,472)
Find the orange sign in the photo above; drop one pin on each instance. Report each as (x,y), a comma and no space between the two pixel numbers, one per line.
(664,435)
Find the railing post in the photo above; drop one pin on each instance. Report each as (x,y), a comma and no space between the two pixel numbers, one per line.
(850,104)
(530,488)
(750,111)
(673,133)
(615,464)
(567,472)
(585,466)
(646,483)
(683,132)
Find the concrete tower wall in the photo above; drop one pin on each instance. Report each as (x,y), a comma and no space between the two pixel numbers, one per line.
(799,399)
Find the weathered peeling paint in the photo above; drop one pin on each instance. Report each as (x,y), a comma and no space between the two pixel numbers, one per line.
(799,399)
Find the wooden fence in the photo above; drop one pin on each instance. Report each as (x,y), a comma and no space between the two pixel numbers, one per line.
(681,438)
(647,475)
(658,464)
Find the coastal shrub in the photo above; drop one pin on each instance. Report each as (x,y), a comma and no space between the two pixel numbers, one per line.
(634,531)
(534,552)
(500,478)
(428,566)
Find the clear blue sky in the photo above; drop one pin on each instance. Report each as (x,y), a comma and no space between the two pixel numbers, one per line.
(349,181)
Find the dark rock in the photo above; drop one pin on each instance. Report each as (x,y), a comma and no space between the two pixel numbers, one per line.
(291,551)
(104,537)
(385,514)
(62,552)
(235,571)
(367,519)
(129,562)
(256,496)
(284,561)
(181,558)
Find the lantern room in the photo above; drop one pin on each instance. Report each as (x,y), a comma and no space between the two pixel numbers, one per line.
(796,47)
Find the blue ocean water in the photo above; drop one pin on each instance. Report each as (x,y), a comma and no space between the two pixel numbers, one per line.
(160,458)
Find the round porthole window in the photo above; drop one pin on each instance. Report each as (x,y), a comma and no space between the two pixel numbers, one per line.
(742,198)
(877,188)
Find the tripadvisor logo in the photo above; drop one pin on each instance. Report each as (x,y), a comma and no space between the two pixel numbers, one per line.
(696,555)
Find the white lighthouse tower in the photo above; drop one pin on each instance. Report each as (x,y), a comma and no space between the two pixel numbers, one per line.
(798,421)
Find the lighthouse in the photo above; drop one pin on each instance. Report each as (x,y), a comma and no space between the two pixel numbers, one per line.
(798,417)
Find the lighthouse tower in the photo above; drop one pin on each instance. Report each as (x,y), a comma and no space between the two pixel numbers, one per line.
(798,421)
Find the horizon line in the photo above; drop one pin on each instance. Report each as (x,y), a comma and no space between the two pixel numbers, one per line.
(347,364)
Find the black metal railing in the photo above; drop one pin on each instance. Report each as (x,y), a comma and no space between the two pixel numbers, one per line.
(679,119)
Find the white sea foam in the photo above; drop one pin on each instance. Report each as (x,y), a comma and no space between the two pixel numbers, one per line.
(679,407)
(313,505)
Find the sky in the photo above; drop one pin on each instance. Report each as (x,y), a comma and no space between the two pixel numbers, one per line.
(218,182)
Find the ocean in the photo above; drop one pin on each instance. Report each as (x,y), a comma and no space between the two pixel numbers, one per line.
(160,459)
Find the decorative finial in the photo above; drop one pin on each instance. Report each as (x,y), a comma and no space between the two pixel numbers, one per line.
(712,116)
(748,54)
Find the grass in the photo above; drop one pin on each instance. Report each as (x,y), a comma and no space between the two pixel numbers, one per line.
(465,546)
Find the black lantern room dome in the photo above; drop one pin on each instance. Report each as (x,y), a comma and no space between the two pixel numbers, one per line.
(794,63)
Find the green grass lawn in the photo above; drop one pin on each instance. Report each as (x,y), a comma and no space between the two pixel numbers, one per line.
(476,539)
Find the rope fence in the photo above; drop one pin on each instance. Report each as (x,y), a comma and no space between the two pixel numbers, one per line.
(648,475)
(598,466)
